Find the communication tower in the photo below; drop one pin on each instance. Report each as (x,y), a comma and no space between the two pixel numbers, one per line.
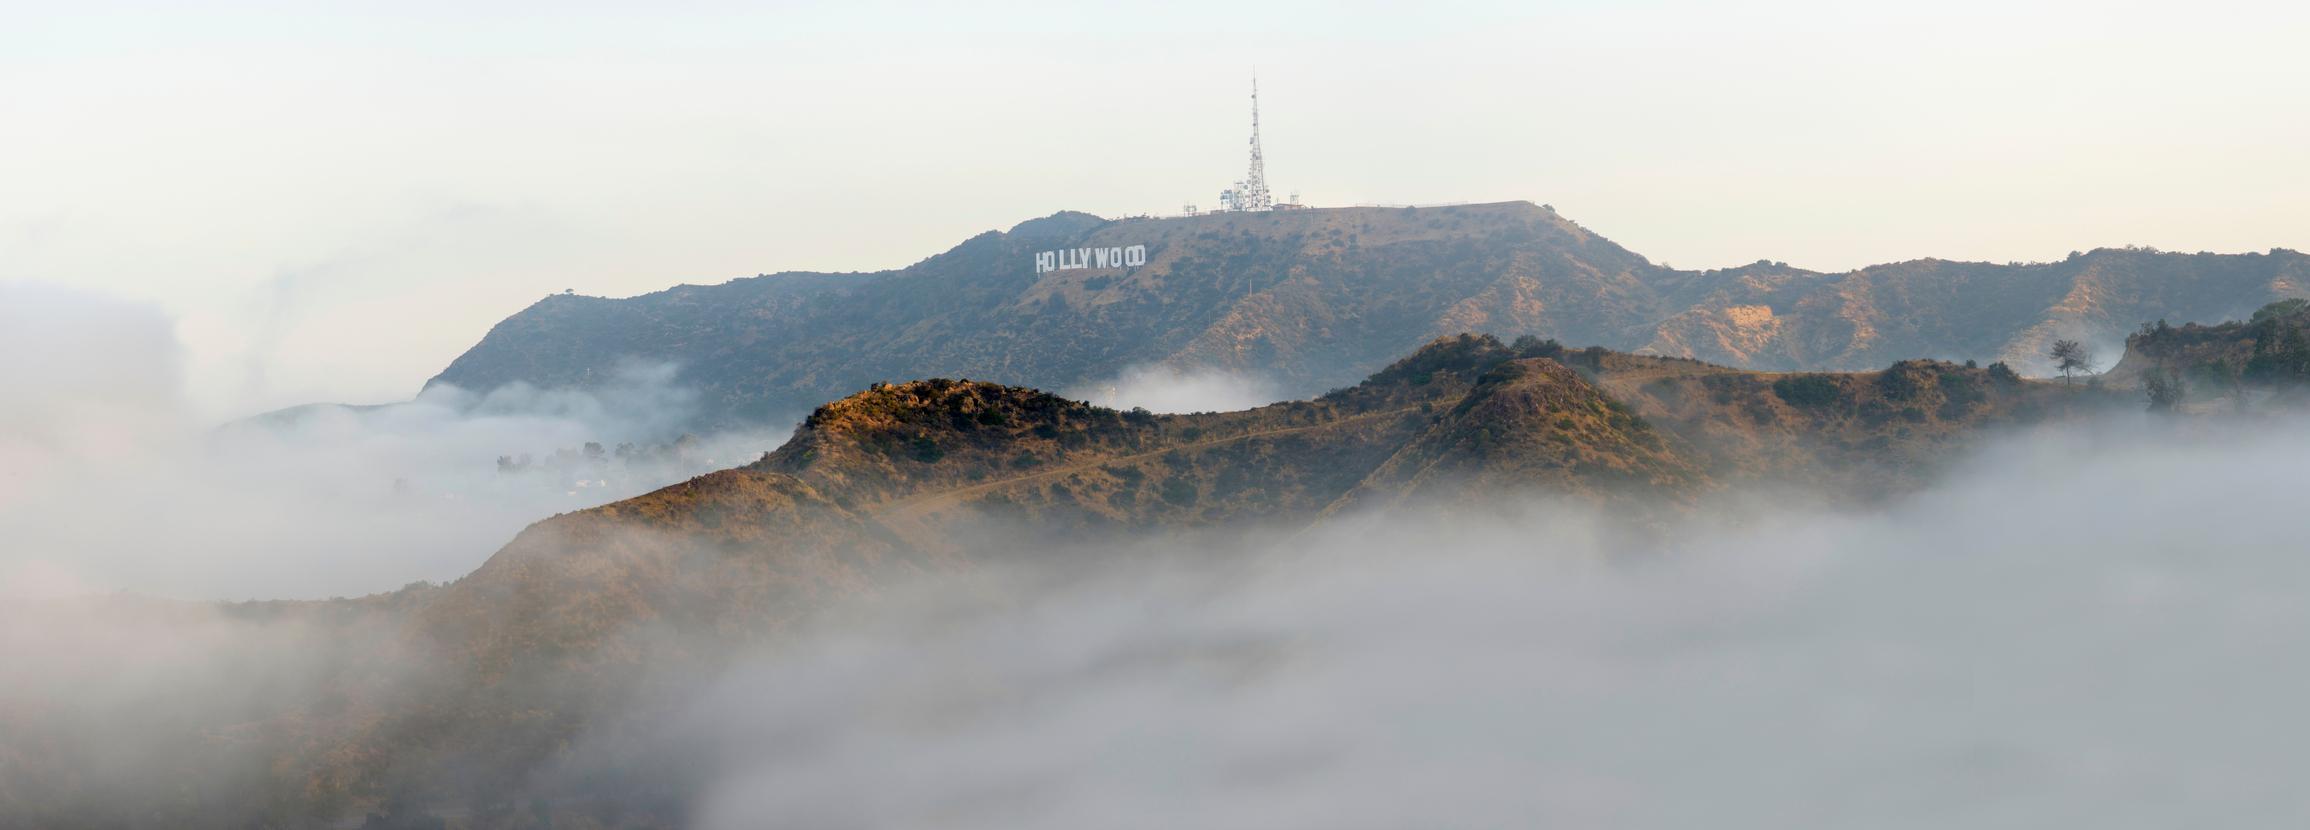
(1251,193)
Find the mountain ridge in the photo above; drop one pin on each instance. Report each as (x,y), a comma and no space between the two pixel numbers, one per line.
(1314,299)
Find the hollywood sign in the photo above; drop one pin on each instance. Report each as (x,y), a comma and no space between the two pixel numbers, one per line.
(1069,259)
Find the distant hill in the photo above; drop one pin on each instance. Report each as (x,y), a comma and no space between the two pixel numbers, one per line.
(1316,299)
(1772,317)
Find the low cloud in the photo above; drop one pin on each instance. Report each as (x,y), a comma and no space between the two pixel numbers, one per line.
(125,712)
(2080,629)
(108,482)
(1170,389)
(2089,626)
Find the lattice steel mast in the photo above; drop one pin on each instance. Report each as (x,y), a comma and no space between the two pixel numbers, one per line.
(1253,194)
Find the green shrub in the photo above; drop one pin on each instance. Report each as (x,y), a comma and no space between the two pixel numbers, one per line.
(1807,391)
(1901,381)
(2281,308)
(1530,346)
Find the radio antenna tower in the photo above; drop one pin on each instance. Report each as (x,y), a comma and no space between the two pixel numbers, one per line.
(1253,194)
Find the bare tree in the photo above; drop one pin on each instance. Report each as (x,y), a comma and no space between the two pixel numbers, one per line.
(2072,358)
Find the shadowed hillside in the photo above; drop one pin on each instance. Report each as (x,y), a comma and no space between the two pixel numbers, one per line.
(1315,299)
(2240,363)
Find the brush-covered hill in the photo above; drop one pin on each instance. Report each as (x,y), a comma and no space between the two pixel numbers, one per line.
(911,477)
(2267,354)
(1769,316)
(1315,299)
(453,697)
(941,476)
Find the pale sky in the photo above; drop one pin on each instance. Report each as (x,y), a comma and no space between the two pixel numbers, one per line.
(333,200)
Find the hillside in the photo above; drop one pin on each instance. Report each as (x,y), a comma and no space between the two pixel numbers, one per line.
(2265,355)
(1772,317)
(1316,299)
(454,696)
(941,476)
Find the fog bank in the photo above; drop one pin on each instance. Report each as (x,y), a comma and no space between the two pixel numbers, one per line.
(108,482)
(2095,630)
(2088,625)
(1170,389)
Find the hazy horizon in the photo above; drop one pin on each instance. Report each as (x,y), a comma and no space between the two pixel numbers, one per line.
(333,203)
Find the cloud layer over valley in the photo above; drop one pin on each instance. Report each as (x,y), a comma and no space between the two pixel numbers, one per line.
(2079,630)
(2090,624)
(1170,389)
(109,482)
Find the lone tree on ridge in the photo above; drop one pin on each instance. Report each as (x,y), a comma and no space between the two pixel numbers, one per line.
(2072,358)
